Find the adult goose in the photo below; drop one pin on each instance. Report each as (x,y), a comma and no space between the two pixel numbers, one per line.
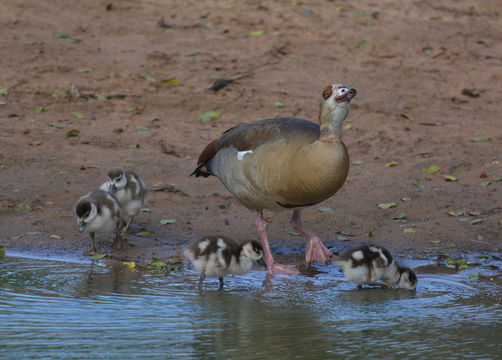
(284,164)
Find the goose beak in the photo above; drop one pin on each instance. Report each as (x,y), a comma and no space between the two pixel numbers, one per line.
(81,226)
(113,189)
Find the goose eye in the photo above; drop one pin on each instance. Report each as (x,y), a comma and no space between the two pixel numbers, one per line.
(327,92)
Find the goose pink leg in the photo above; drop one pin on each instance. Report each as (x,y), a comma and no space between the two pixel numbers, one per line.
(272,266)
(315,249)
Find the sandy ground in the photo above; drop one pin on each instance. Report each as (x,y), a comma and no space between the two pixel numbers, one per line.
(133,77)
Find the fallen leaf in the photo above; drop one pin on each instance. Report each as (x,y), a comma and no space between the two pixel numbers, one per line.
(387,205)
(294,233)
(142,128)
(84,70)
(57,126)
(2,103)
(342,238)
(474,93)
(32,232)
(72,133)
(326,210)
(480,139)
(209,115)
(29,42)
(130,264)
(101,97)
(23,207)
(406,199)
(191,53)
(485,183)
(60,95)
(407,117)
(36,143)
(134,146)
(463,219)
(483,256)
(78,115)
(256,33)
(476,221)
(419,185)
(56,237)
(435,241)
(473,276)
(60,35)
(3,250)
(454,212)
(39,109)
(170,81)
(409,231)
(143,234)
(400,216)
(146,210)
(167,221)
(431,169)
(427,51)
(98,256)
(4,92)
(149,78)
(279,104)
(391,164)
(450,177)
(358,162)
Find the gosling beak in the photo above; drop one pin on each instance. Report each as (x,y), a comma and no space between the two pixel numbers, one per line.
(113,189)
(261,262)
(81,226)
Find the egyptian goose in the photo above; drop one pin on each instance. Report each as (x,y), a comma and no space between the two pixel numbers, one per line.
(284,164)
(217,256)
(99,211)
(130,191)
(369,264)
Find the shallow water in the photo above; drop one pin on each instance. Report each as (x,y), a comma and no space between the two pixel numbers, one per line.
(63,310)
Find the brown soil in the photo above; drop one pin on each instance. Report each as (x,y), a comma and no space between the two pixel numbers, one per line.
(428,75)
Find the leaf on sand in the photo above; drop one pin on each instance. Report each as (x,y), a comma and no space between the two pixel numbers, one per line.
(23,207)
(98,256)
(146,210)
(143,234)
(279,104)
(57,126)
(4,92)
(485,183)
(29,42)
(209,115)
(2,103)
(473,276)
(342,238)
(130,264)
(39,109)
(36,143)
(32,232)
(84,70)
(483,256)
(431,169)
(191,53)
(476,221)
(480,139)
(407,117)
(60,35)
(256,33)
(167,221)
(450,178)
(149,78)
(463,219)
(419,185)
(56,237)
(400,216)
(454,212)
(170,81)
(294,233)
(358,162)
(406,199)
(435,241)
(409,231)
(387,205)
(72,133)
(326,210)
(142,128)
(78,115)
(391,164)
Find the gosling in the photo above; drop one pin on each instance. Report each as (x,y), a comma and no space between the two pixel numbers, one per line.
(130,191)
(99,211)
(369,264)
(217,256)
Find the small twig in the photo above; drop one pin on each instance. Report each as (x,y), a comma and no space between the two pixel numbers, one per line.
(220,83)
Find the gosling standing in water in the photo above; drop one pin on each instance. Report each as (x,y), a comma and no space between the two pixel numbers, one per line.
(369,264)
(217,256)
(99,211)
(130,191)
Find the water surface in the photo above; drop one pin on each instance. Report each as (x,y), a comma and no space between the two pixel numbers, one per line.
(64,310)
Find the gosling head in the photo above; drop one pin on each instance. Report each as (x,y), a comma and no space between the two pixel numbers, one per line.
(116,180)
(407,278)
(86,212)
(252,250)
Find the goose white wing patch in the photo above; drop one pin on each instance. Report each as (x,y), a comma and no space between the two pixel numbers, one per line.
(240,154)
